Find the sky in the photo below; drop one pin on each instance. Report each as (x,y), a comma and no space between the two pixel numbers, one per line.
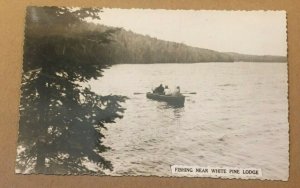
(249,32)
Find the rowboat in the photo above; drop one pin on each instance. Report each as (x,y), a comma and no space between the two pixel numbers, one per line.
(173,100)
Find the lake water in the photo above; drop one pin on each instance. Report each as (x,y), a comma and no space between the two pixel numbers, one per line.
(238,118)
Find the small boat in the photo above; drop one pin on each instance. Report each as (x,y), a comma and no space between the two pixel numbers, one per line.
(173,100)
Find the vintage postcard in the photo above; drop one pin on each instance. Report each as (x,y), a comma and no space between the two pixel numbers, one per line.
(152,92)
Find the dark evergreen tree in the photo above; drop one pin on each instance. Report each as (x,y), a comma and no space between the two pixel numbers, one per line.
(60,120)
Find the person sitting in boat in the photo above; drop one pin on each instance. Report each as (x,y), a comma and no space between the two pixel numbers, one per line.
(159,90)
(176,92)
(167,91)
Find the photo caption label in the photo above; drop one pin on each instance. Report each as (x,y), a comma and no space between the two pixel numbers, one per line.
(199,171)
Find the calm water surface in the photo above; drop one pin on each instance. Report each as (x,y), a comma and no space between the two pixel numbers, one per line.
(238,118)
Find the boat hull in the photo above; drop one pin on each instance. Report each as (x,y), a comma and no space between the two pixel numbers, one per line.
(173,100)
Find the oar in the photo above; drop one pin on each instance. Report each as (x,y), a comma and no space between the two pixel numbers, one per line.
(192,93)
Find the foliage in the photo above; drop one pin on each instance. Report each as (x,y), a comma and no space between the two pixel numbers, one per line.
(60,120)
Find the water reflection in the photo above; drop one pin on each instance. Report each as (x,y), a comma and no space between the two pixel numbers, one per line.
(164,106)
(176,109)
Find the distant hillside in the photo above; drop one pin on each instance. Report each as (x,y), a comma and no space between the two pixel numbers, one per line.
(129,47)
(132,48)
(256,58)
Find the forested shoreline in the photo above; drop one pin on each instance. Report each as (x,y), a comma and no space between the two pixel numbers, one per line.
(132,48)
(127,47)
(237,57)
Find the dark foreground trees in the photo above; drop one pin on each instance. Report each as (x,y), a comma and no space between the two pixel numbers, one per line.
(60,119)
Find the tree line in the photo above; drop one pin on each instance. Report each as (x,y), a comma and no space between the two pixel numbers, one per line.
(132,48)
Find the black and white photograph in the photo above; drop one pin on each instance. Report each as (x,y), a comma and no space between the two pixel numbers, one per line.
(154,92)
